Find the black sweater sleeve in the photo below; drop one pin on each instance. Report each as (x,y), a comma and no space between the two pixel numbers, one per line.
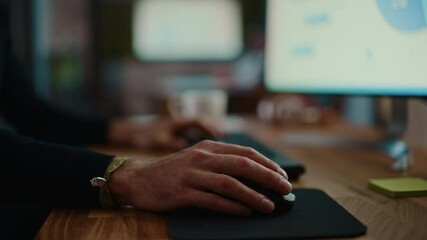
(35,172)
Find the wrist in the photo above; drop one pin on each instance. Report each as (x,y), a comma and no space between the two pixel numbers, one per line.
(105,194)
(120,184)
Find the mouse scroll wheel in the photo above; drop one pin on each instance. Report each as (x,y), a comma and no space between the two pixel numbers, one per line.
(289,197)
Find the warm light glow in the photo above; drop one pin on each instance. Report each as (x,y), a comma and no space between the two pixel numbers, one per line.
(170,30)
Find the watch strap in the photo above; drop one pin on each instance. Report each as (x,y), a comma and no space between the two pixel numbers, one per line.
(104,193)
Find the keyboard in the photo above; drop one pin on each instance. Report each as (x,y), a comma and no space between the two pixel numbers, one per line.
(293,168)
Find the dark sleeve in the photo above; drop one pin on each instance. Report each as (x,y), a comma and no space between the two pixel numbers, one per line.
(39,173)
(30,115)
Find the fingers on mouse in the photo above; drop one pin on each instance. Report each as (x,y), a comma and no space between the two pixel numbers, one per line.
(282,203)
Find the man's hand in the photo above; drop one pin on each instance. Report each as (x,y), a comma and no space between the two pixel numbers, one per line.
(201,176)
(157,134)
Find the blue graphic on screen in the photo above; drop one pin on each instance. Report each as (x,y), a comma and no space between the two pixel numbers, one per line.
(405,15)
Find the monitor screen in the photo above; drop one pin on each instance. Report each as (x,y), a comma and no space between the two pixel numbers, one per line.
(367,47)
(187,30)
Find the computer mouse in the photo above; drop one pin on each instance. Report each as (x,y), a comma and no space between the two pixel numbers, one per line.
(283,203)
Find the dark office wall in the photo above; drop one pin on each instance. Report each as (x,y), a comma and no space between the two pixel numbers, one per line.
(20,21)
(70,40)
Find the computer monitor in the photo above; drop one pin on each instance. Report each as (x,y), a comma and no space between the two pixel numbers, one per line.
(187,30)
(357,47)
(351,47)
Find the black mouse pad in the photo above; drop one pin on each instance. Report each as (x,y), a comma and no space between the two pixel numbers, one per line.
(315,215)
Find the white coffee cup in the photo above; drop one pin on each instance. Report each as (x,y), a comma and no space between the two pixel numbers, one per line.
(192,104)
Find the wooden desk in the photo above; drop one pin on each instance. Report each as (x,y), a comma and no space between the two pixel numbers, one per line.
(341,172)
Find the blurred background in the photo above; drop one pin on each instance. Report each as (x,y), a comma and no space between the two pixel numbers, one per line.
(126,57)
(86,55)
(121,57)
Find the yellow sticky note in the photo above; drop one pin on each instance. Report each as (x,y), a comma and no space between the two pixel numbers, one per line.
(400,187)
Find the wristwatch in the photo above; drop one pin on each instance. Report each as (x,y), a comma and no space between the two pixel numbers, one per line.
(100,182)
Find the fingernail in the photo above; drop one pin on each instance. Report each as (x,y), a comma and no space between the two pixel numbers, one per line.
(267,205)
